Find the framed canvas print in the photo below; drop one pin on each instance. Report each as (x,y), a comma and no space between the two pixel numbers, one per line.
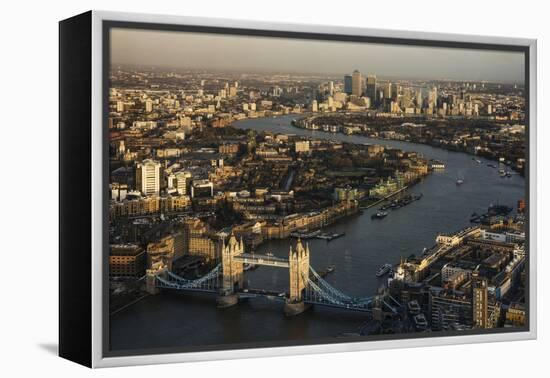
(233,189)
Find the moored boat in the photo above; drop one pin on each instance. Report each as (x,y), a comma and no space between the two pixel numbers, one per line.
(384,269)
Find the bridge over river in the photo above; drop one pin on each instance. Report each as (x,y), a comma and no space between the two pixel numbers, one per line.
(226,280)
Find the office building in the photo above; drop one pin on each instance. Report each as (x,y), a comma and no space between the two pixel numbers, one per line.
(356,83)
(479,302)
(148,105)
(314,106)
(148,177)
(302,146)
(199,241)
(418,98)
(387,90)
(182,180)
(432,98)
(371,88)
(127,260)
(202,188)
(449,311)
(515,315)
(348,84)
(228,148)
(395,91)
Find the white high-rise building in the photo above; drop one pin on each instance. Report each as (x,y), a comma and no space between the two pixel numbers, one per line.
(183,180)
(171,181)
(148,105)
(314,106)
(148,177)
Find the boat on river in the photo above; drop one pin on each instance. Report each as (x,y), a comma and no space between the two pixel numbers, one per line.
(305,235)
(329,237)
(379,215)
(383,270)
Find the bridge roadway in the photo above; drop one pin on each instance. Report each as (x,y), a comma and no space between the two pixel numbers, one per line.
(253,259)
(276,296)
(270,294)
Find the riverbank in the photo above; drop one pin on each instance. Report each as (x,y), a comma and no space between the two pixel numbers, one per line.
(298,124)
(385,198)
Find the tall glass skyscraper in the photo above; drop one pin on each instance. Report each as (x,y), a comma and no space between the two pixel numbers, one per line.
(347,84)
(371,88)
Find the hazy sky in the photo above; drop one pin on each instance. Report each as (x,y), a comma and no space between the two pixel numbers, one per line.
(213,51)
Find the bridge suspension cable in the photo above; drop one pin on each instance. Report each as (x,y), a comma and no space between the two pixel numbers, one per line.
(327,287)
(315,293)
(208,282)
(320,291)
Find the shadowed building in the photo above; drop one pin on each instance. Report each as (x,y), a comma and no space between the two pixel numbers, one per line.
(127,260)
(348,84)
(371,88)
(479,301)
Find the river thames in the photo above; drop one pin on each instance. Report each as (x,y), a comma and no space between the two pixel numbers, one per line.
(172,319)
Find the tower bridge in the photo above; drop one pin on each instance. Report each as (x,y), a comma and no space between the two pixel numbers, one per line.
(306,286)
(253,259)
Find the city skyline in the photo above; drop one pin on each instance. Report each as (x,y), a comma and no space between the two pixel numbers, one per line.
(186,50)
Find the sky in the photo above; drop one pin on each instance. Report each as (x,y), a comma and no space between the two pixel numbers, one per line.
(267,54)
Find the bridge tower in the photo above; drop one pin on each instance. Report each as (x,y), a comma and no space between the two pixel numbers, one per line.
(232,271)
(298,268)
(158,268)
